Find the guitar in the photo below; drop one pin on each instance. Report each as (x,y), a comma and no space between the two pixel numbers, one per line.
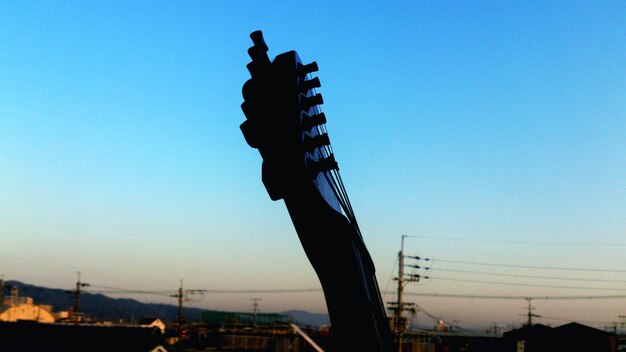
(285,123)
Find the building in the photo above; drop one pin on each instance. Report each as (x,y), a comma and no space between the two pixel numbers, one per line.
(15,308)
(152,322)
(572,337)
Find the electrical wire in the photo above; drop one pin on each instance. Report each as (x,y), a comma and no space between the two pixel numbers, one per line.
(385,292)
(528,266)
(570,320)
(586,244)
(529,276)
(296,290)
(437,319)
(530,285)
(452,295)
(113,290)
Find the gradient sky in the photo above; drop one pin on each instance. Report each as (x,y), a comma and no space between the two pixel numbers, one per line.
(489,131)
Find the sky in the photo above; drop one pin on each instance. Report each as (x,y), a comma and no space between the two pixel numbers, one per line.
(490,133)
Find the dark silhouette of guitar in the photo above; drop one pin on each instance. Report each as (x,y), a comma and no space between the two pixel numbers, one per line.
(284,122)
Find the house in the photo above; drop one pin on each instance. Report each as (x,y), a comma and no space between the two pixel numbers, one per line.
(572,337)
(152,322)
(578,337)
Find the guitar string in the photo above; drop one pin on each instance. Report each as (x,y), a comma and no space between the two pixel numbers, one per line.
(320,129)
(341,186)
(335,179)
(336,183)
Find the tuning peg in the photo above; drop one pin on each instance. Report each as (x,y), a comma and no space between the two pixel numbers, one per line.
(253,68)
(303,70)
(309,84)
(258,52)
(308,122)
(254,107)
(253,110)
(258,69)
(250,133)
(257,39)
(312,143)
(324,164)
(253,89)
(308,102)
(258,55)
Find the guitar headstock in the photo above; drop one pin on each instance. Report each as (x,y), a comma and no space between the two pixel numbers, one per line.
(286,124)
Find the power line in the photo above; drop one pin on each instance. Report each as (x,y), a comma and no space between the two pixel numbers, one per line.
(109,289)
(511,297)
(295,290)
(528,276)
(484,240)
(391,276)
(386,292)
(130,292)
(528,266)
(134,290)
(569,320)
(531,285)
(225,291)
(419,308)
(445,295)
(452,295)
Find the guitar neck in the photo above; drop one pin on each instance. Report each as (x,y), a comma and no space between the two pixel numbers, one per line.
(346,272)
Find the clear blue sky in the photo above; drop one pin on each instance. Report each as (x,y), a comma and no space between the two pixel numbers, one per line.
(491,131)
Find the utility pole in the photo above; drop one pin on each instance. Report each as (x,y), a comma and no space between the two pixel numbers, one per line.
(493,329)
(399,323)
(182,296)
(180,312)
(399,305)
(530,314)
(14,296)
(180,304)
(455,324)
(397,317)
(255,310)
(76,311)
(1,290)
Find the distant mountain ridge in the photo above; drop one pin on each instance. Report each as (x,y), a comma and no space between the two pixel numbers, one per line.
(99,306)
(302,317)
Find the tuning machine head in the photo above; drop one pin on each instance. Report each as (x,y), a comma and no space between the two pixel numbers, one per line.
(304,70)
